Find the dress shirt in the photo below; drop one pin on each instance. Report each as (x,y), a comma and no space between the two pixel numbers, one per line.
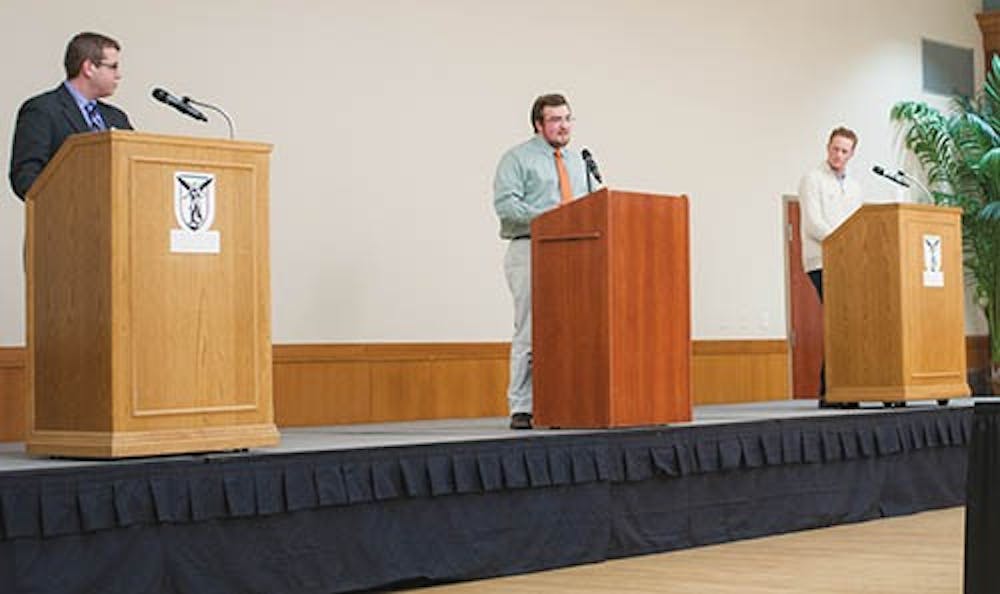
(81,101)
(527,184)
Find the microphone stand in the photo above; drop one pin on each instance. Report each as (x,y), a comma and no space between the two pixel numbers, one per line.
(219,110)
(586,171)
(916,181)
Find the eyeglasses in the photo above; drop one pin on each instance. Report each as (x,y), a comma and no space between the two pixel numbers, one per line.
(111,65)
(559,119)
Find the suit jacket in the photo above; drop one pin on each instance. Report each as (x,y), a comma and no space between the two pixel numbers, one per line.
(43,124)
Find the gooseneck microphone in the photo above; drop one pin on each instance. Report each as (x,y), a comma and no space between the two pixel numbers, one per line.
(218,110)
(923,188)
(592,169)
(893,177)
(180,105)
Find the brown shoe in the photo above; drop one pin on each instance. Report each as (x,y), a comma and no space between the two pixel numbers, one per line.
(520,421)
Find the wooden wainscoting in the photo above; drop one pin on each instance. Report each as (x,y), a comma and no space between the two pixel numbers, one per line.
(323,384)
(977,351)
(977,359)
(727,371)
(330,384)
(13,405)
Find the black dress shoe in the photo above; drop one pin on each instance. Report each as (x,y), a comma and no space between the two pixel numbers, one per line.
(842,405)
(520,421)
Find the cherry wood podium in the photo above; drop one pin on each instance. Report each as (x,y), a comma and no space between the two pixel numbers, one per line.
(894,321)
(148,297)
(611,312)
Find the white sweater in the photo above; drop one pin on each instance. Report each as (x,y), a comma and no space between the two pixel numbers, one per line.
(825,202)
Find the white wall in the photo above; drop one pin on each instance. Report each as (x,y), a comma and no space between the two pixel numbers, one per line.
(388,118)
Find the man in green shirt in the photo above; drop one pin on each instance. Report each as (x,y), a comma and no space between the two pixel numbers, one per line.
(533,177)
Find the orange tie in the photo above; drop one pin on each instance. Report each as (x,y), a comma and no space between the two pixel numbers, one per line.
(565,190)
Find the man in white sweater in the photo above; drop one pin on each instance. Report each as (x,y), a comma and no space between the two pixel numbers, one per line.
(827,197)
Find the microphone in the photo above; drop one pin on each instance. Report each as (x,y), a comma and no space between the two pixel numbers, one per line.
(591,165)
(180,105)
(893,177)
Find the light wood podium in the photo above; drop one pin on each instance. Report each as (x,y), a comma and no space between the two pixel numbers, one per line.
(611,312)
(894,322)
(142,339)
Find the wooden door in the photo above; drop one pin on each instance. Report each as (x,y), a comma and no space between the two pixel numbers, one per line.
(805,313)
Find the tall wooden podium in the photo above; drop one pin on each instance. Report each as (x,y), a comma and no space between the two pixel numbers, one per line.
(894,322)
(148,297)
(611,311)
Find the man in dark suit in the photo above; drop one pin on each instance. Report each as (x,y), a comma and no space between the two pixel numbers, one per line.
(45,121)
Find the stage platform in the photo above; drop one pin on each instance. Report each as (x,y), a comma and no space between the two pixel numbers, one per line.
(349,508)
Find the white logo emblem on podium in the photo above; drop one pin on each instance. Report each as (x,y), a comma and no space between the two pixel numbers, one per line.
(194,209)
(933,274)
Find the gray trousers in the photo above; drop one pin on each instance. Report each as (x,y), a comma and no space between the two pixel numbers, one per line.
(517,269)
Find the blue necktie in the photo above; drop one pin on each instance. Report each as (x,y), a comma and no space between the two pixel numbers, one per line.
(94,117)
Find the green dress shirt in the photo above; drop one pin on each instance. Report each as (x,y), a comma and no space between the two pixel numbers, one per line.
(527,184)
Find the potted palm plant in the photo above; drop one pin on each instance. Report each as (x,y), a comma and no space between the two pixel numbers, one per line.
(960,153)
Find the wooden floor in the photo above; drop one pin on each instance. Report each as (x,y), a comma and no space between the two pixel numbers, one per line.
(911,554)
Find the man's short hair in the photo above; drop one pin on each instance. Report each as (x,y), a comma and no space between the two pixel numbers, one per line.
(846,133)
(86,46)
(550,100)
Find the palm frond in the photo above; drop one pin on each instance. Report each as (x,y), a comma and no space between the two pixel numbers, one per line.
(960,153)
(991,212)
